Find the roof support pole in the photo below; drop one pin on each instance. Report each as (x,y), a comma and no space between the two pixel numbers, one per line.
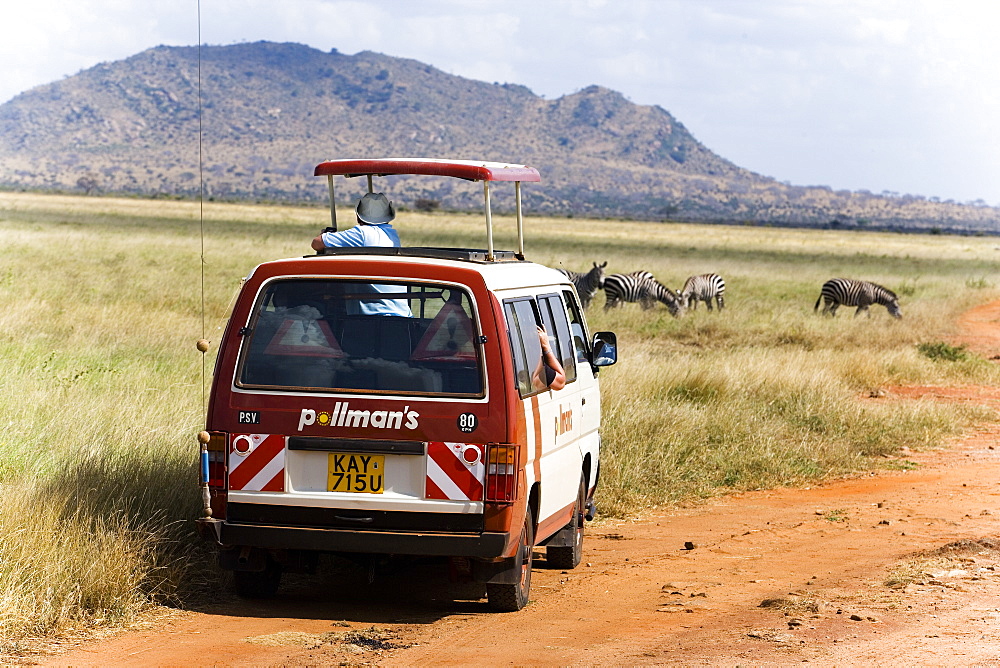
(370,183)
(333,206)
(489,222)
(520,219)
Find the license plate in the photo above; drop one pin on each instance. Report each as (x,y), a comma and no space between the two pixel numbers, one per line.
(355,472)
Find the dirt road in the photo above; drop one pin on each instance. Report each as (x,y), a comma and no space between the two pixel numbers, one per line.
(781,576)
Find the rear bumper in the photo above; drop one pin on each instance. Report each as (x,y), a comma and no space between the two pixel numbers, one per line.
(483,545)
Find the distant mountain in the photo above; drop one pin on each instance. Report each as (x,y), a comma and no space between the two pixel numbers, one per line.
(271,112)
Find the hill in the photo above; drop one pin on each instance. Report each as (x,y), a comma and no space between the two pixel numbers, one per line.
(272,111)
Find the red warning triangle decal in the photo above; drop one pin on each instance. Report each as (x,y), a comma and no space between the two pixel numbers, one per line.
(311,338)
(449,336)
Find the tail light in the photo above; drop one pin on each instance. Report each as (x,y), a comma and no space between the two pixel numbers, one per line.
(501,473)
(216,459)
(214,467)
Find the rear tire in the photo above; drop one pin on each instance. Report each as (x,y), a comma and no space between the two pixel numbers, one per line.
(262,584)
(569,557)
(504,597)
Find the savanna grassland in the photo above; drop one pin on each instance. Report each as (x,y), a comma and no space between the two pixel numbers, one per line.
(103,390)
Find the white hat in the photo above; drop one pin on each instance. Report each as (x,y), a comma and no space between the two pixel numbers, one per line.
(375,209)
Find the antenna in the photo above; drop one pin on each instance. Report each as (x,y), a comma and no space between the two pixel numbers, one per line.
(202,343)
(203,437)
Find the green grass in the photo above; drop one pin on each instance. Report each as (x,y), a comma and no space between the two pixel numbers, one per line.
(838,515)
(943,351)
(103,390)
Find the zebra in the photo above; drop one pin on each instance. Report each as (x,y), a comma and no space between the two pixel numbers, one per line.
(654,291)
(703,287)
(862,294)
(639,286)
(619,288)
(587,284)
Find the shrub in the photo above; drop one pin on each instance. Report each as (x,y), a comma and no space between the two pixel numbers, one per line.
(943,351)
(426,205)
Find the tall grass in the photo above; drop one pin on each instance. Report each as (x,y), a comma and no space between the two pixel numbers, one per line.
(102,389)
(755,419)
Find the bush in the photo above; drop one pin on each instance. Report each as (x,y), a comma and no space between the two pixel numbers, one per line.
(943,351)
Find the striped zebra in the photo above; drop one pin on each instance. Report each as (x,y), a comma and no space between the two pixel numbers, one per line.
(703,287)
(654,291)
(587,284)
(639,286)
(862,294)
(620,288)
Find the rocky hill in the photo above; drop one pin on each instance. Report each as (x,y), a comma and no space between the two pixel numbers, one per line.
(271,112)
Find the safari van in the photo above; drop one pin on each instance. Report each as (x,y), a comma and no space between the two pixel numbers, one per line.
(332,431)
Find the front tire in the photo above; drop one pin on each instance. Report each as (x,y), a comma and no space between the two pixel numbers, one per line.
(511,597)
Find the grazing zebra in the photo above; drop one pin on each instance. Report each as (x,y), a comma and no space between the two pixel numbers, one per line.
(862,294)
(639,286)
(654,291)
(587,284)
(704,287)
(619,288)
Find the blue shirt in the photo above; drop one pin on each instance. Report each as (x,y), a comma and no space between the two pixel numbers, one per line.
(362,235)
(371,235)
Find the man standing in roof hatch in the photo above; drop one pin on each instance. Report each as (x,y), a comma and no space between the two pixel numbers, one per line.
(375,213)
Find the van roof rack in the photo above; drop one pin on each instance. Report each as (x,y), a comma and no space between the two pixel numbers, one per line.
(463,254)
(470,170)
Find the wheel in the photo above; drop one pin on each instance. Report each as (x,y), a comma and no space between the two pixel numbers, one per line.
(567,557)
(511,597)
(263,584)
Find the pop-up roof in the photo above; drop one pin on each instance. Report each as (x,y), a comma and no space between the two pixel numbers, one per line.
(470,170)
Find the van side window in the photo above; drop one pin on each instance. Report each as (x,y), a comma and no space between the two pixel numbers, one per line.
(579,333)
(557,327)
(522,320)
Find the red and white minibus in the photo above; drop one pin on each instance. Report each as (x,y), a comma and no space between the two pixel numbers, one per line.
(432,433)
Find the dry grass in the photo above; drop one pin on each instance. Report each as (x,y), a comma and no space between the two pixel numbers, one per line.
(102,389)
(792,606)
(922,568)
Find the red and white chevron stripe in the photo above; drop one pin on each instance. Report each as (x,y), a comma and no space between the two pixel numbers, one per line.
(257,463)
(455,471)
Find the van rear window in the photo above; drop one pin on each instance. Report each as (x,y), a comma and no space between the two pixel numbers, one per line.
(398,337)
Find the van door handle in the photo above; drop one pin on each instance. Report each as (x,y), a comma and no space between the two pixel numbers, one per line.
(365,520)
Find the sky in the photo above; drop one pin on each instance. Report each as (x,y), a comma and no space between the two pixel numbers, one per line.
(897,96)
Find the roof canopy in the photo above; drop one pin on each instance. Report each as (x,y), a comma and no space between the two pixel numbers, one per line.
(471,170)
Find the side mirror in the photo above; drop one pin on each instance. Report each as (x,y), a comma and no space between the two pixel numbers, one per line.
(605,349)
